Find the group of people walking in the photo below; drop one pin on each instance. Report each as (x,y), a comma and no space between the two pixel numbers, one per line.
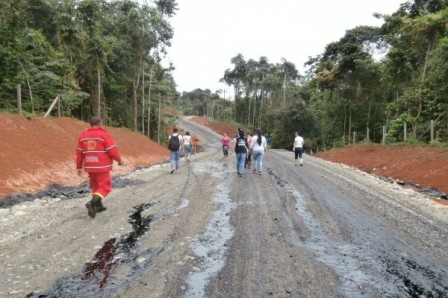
(96,151)
(250,147)
(247,147)
(176,144)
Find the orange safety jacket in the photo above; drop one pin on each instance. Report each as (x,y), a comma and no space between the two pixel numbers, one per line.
(96,151)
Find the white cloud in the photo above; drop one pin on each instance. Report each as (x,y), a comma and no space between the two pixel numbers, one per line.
(208,33)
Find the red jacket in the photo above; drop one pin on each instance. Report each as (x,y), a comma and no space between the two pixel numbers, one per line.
(96,151)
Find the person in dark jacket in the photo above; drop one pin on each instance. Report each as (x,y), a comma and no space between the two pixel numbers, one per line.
(241,149)
(95,153)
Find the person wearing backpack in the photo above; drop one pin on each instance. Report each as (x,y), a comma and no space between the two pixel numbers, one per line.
(175,146)
(241,149)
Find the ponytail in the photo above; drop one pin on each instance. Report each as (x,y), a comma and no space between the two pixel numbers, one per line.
(259,137)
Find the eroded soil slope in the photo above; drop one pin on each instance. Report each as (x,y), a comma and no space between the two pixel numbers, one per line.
(38,152)
(423,165)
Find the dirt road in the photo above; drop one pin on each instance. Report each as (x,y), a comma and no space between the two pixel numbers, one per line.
(321,230)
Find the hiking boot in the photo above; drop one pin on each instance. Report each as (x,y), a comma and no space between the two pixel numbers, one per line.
(97,202)
(91,210)
(100,206)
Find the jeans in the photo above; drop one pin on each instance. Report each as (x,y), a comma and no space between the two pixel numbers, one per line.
(240,159)
(174,159)
(187,151)
(298,152)
(258,159)
(225,150)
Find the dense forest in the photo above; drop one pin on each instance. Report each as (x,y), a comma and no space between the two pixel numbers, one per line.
(386,84)
(100,57)
(376,84)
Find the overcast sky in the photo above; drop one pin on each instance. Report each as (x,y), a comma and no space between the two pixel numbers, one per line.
(209,33)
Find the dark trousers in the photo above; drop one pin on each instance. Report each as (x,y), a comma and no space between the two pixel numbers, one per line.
(298,151)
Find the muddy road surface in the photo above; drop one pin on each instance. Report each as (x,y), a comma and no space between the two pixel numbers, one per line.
(317,230)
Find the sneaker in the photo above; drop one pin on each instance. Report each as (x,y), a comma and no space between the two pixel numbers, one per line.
(259,173)
(172,171)
(91,210)
(239,174)
(255,171)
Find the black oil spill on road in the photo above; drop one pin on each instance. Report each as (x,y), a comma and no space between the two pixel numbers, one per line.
(417,188)
(389,273)
(97,277)
(405,272)
(63,192)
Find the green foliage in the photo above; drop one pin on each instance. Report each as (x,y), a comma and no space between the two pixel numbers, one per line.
(92,53)
(396,127)
(296,119)
(104,56)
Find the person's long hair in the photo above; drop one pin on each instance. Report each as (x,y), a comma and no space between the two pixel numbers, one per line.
(259,137)
(241,132)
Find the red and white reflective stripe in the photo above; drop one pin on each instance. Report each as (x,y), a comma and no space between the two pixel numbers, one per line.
(108,148)
(90,167)
(97,139)
(79,148)
(94,152)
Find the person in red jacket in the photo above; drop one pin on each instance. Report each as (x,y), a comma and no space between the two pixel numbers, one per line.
(95,153)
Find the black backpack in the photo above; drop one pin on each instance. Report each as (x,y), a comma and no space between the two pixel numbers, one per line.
(174,143)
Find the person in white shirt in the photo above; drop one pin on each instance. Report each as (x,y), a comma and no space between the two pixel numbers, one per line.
(258,147)
(187,141)
(298,148)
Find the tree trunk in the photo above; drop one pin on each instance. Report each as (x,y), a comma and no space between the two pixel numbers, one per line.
(143,101)
(368,120)
(98,74)
(29,86)
(134,104)
(259,110)
(158,121)
(254,113)
(248,114)
(349,125)
(149,104)
(420,99)
(284,92)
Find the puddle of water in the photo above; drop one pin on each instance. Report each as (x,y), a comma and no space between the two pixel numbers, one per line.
(210,246)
